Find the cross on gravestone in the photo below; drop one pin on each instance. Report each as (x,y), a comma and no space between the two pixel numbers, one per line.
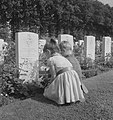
(66,37)
(27,55)
(106,47)
(89,45)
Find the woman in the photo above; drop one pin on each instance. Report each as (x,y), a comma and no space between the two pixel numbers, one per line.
(65,83)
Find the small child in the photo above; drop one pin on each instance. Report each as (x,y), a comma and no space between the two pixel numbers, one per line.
(67,52)
(65,85)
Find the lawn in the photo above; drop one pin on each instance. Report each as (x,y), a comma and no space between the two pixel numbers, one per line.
(98,104)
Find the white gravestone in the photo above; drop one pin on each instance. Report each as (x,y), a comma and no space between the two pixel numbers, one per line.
(41,44)
(111,46)
(106,46)
(81,42)
(66,37)
(98,46)
(27,55)
(89,46)
(76,43)
(1,51)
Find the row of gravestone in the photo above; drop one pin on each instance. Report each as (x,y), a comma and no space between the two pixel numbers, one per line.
(28,47)
(90,45)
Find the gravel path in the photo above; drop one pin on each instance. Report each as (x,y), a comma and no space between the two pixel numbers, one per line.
(98,104)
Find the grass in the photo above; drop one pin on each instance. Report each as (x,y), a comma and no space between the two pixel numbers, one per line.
(98,104)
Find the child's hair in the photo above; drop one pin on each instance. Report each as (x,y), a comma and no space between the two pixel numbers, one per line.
(65,46)
(52,46)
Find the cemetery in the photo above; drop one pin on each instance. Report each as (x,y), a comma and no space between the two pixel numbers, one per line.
(26,78)
(24,74)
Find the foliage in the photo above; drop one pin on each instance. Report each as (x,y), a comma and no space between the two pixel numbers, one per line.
(90,73)
(79,18)
(10,83)
(86,63)
(109,63)
(91,68)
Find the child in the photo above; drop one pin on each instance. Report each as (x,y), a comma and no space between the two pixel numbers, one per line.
(66,51)
(65,86)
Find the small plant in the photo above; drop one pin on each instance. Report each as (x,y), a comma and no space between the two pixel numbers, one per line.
(9,77)
(11,84)
(90,73)
(109,63)
(87,63)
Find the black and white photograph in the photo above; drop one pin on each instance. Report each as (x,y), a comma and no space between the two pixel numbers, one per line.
(56,59)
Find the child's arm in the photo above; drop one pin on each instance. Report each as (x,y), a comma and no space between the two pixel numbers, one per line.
(51,70)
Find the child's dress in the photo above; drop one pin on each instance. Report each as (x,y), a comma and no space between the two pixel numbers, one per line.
(66,87)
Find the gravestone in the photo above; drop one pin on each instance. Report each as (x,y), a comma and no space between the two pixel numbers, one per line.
(76,43)
(1,51)
(81,42)
(27,55)
(66,37)
(111,46)
(106,46)
(89,46)
(98,47)
(41,44)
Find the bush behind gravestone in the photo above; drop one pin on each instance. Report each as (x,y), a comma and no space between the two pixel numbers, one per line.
(10,83)
(90,73)
(9,77)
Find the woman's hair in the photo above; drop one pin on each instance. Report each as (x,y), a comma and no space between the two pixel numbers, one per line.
(65,46)
(52,46)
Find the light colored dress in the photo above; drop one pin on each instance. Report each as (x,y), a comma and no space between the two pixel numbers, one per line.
(66,87)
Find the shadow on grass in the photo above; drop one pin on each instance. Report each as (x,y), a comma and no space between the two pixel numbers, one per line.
(40,97)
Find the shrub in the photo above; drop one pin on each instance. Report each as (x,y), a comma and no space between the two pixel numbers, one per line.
(9,77)
(109,63)
(86,63)
(90,73)
(10,83)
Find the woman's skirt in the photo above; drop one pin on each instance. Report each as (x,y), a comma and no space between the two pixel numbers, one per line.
(66,88)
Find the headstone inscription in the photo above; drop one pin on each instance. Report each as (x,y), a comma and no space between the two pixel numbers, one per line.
(89,46)
(27,55)
(66,37)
